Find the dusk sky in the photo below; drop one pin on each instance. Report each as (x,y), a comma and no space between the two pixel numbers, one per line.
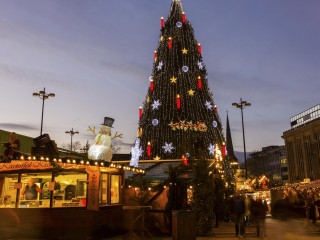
(97,56)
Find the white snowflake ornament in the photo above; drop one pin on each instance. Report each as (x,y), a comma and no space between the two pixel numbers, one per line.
(208,105)
(200,65)
(211,149)
(168,147)
(155,104)
(136,153)
(159,67)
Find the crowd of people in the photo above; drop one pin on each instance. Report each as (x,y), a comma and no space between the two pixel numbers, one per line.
(247,212)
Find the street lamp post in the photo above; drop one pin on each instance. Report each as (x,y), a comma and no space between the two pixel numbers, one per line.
(43,95)
(71,132)
(242,105)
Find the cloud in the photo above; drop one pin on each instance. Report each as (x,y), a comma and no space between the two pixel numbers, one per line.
(17,126)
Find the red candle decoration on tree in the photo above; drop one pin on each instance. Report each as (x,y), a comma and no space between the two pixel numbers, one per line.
(140,112)
(183,18)
(184,160)
(199,48)
(149,150)
(199,83)
(215,107)
(170,43)
(162,22)
(223,149)
(155,56)
(151,85)
(178,102)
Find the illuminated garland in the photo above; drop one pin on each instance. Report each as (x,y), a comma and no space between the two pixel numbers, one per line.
(183,125)
(80,162)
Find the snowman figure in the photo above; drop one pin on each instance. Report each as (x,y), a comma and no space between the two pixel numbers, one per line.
(101,150)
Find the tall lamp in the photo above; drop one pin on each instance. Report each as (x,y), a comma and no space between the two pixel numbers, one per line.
(71,132)
(242,105)
(43,95)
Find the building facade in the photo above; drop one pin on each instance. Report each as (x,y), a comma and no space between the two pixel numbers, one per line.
(270,161)
(302,144)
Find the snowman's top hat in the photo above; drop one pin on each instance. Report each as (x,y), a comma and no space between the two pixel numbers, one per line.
(108,122)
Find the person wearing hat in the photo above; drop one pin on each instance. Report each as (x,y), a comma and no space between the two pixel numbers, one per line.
(101,150)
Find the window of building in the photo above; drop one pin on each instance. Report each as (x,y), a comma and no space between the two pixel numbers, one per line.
(8,190)
(70,190)
(103,196)
(33,193)
(115,189)
(283,161)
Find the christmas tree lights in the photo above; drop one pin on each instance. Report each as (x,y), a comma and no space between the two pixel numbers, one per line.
(178,114)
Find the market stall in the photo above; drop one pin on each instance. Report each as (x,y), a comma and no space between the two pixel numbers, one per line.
(62,193)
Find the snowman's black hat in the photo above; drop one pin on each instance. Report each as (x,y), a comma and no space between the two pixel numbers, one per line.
(108,122)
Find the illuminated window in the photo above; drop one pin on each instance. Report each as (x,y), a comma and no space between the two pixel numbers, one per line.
(9,191)
(103,196)
(70,190)
(115,189)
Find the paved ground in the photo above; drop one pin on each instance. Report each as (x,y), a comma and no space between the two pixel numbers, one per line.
(274,230)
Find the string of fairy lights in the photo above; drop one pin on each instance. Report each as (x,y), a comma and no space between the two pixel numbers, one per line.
(83,162)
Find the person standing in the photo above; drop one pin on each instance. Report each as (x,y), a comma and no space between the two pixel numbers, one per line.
(239,209)
(259,215)
(31,190)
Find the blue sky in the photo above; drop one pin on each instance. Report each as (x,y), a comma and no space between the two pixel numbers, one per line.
(97,56)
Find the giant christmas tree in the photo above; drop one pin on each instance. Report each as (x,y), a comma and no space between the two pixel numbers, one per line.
(179,115)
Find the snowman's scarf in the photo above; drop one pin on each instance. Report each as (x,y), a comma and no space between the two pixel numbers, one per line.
(99,139)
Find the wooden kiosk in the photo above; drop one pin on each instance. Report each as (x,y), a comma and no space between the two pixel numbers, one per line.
(74,198)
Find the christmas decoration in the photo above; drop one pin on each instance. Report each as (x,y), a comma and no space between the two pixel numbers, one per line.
(211,149)
(151,85)
(178,102)
(173,80)
(208,105)
(149,149)
(185,69)
(200,65)
(185,116)
(136,153)
(191,92)
(157,158)
(223,149)
(156,104)
(168,147)
(184,125)
(155,55)
(139,132)
(215,108)
(199,83)
(155,122)
(179,24)
(140,112)
(101,149)
(215,124)
(170,43)
(162,22)
(184,160)
(199,48)
(159,67)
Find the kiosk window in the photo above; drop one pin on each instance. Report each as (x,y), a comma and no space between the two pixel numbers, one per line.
(115,189)
(70,190)
(8,191)
(34,192)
